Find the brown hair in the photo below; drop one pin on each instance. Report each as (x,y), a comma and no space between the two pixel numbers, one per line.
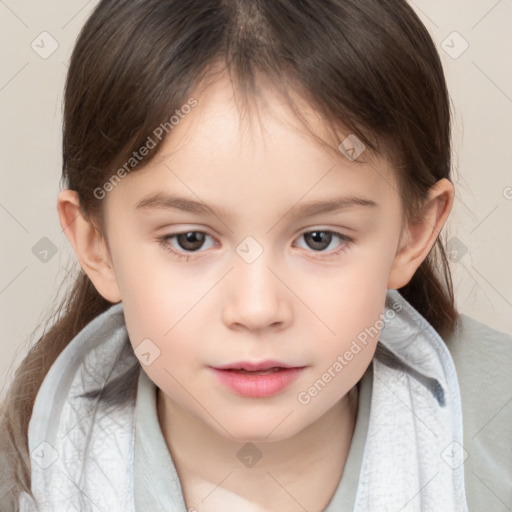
(368,66)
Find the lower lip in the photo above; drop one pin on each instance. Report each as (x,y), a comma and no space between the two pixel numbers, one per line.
(258,386)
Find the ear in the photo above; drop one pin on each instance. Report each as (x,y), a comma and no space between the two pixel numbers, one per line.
(89,245)
(421,234)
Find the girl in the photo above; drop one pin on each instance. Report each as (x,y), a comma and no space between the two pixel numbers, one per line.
(264,319)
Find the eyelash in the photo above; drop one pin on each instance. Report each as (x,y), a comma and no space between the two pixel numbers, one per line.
(346,242)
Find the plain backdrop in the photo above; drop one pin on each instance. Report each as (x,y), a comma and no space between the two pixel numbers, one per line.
(473,38)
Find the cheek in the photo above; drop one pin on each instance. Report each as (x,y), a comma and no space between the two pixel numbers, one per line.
(350,301)
(357,322)
(342,359)
(351,296)
(153,311)
(155,292)
(162,308)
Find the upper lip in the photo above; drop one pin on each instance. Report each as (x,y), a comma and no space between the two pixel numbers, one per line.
(253,366)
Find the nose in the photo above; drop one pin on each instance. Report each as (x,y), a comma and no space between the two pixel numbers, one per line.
(257,298)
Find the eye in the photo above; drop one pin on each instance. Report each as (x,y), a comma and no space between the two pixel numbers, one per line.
(189,241)
(320,240)
(185,244)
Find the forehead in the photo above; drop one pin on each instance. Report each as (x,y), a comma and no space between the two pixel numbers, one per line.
(225,120)
(258,153)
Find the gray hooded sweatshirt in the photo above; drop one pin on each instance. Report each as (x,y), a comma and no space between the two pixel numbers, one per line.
(433,429)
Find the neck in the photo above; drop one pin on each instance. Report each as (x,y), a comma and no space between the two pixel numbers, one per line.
(213,478)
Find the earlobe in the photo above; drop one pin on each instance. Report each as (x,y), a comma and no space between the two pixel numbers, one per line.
(89,245)
(421,234)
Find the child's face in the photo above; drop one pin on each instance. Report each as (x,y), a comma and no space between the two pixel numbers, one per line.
(255,290)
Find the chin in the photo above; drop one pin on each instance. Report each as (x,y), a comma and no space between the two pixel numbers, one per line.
(258,429)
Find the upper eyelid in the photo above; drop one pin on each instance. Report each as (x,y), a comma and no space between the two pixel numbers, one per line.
(309,230)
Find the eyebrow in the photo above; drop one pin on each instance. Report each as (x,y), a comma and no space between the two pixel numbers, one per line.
(160,200)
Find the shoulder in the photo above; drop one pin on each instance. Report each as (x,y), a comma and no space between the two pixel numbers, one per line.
(472,336)
(483,361)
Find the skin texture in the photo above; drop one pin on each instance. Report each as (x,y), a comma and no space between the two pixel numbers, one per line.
(293,303)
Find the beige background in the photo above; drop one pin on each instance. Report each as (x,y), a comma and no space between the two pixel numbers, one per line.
(480,82)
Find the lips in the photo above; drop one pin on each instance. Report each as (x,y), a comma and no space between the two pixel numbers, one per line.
(255,366)
(256,372)
(257,379)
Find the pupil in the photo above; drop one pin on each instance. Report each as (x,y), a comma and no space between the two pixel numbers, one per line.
(191,241)
(319,239)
